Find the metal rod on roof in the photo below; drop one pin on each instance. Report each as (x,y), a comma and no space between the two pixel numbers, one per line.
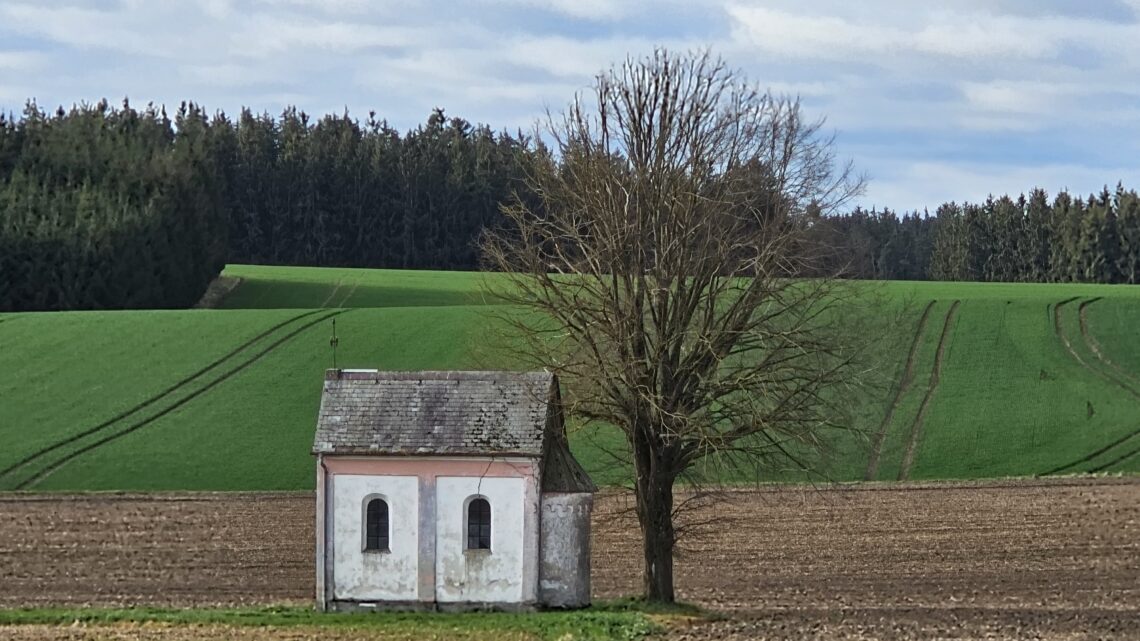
(333,342)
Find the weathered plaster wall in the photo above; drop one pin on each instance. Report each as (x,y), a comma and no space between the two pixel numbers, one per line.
(375,575)
(439,557)
(490,576)
(322,535)
(564,573)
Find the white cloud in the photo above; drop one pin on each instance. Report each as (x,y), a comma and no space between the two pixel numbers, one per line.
(21,60)
(222,75)
(217,9)
(784,33)
(898,35)
(1019,96)
(946,34)
(570,58)
(83,28)
(983,34)
(596,10)
(816,89)
(267,36)
(336,6)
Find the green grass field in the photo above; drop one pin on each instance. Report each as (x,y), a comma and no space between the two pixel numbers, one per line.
(602,622)
(312,287)
(1020,379)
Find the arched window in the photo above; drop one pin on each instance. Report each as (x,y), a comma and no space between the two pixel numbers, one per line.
(376,525)
(479,525)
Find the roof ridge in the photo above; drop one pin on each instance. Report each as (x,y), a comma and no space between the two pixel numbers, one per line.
(433,375)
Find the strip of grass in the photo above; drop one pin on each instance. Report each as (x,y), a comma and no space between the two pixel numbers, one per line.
(313,287)
(600,624)
(1014,292)
(265,287)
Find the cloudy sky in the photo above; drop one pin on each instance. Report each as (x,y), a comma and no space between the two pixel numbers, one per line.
(933,101)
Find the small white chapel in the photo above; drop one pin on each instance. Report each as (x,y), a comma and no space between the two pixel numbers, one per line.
(450,491)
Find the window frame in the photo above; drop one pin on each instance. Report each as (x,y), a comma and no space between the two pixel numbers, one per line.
(489,525)
(386,535)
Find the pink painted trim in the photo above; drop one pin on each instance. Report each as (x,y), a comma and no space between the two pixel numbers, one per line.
(431,468)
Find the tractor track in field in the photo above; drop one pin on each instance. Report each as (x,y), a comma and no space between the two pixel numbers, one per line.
(1059,331)
(931,388)
(150,401)
(1092,455)
(1124,378)
(325,303)
(51,468)
(1127,379)
(903,387)
(1120,459)
(347,296)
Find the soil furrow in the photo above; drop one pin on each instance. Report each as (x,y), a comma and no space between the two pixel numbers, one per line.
(932,387)
(1054,560)
(150,401)
(44,473)
(903,388)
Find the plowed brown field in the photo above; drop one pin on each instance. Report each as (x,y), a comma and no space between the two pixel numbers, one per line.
(1052,560)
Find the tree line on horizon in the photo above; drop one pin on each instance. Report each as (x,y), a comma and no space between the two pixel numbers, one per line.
(113,207)
(1029,238)
(106,208)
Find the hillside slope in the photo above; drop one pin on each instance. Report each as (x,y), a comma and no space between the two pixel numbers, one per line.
(989,380)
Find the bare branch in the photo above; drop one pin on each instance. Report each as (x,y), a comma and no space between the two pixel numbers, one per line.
(665,275)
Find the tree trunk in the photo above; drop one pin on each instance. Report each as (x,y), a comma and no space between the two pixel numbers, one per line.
(655,513)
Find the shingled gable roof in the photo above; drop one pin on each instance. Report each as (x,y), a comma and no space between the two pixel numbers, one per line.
(435,413)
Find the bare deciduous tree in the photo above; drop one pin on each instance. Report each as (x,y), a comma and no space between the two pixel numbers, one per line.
(664,273)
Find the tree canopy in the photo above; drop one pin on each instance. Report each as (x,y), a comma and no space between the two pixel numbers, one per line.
(662,274)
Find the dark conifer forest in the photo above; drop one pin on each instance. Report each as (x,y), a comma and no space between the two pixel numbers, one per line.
(113,207)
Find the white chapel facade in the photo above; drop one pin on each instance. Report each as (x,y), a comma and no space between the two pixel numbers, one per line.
(448,490)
